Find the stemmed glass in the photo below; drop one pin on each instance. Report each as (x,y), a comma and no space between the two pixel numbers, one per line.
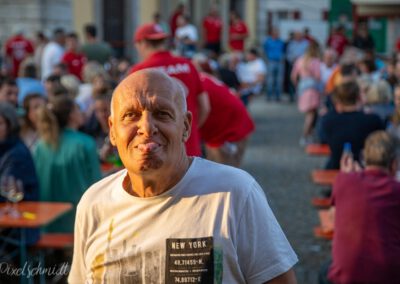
(12,189)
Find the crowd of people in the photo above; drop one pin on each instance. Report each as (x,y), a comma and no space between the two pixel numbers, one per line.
(56,96)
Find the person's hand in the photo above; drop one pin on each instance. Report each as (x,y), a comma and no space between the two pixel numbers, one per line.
(322,111)
(347,165)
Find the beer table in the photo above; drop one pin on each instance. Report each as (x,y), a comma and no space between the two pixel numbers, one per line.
(324,177)
(33,215)
(318,150)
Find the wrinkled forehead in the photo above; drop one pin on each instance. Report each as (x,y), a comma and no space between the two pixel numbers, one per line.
(145,88)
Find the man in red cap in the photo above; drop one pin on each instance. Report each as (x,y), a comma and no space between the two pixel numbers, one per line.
(150,42)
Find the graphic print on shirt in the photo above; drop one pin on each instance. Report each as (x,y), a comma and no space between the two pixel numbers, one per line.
(186,260)
(126,264)
(189,261)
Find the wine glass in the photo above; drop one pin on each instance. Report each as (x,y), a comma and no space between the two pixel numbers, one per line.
(14,192)
(4,192)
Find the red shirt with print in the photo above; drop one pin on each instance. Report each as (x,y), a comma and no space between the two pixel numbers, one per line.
(212,27)
(182,69)
(18,48)
(338,42)
(228,120)
(75,62)
(235,29)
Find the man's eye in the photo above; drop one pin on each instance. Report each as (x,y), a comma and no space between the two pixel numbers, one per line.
(129,115)
(163,114)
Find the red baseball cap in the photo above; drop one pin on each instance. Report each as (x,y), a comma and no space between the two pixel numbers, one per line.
(149,32)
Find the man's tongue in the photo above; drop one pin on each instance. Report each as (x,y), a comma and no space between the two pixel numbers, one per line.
(147,147)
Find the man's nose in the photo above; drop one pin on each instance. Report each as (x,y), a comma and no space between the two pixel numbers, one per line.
(147,124)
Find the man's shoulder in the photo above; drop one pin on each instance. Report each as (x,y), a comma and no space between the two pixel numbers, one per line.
(102,190)
(222,177)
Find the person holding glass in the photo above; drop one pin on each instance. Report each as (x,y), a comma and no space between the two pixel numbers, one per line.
(17,170)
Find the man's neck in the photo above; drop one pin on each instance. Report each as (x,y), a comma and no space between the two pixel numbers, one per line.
(149,186)
(347,108)
(91,40)
(383,169)
(149,52)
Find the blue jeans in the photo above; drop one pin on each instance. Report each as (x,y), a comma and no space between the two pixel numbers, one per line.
(274,79)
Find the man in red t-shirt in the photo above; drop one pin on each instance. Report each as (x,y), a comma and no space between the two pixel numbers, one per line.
(150,42)
(338,41)
(228,126)
(366,240)
(74,59)
(237,32)
(17,48)
(212,28)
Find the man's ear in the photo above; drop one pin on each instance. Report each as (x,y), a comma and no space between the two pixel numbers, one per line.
(112,134)
(394,167)
(188,126)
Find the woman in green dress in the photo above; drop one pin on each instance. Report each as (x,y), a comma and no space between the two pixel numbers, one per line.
(66,160)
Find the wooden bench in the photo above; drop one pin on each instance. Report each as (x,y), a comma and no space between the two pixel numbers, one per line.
(55,241)
(318,150)
(50,241)
(324,177)
(321,202)
(326,228)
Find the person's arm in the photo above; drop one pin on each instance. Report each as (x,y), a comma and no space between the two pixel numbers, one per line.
(286,278)
(203,103)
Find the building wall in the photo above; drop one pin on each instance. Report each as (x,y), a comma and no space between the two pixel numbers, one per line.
(251,17)
(19,14)
(309,10)
(83,13)
(33,16)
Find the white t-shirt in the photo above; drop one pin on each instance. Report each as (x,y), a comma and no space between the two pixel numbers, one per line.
(249,71)
(215,226)
(52,55)
(188,31)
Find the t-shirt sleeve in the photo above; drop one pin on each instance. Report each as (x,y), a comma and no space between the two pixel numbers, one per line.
(78,268)
(263,250)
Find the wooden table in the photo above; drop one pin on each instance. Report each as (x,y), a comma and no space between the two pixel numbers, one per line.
(37,214)
(324,177)
(318,150)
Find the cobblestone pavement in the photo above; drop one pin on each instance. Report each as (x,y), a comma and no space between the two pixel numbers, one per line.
(280,165)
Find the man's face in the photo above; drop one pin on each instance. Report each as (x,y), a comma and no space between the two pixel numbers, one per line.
(71,43)
(397,97)
(3,129)
(34,105)
(148,126)
(397,70)
(140,48)
(102,110)
(9,93)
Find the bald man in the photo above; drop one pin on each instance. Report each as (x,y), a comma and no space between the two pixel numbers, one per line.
(168,217)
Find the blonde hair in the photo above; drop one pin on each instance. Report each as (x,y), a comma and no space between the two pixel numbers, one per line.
(91,70)
(380,149)
(379,93)
(51,120)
